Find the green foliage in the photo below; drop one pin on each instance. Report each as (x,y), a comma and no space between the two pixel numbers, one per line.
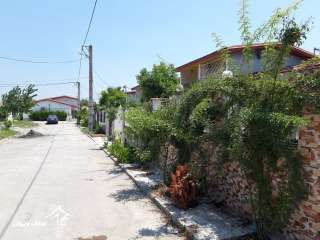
(18,101)
(128,154)
(7,124)
(43,115)
(97,129)
(4,133)
(24,124)
(161,81)
(83,116)
(110,100)
(112,97)
(3,113)
(118,150)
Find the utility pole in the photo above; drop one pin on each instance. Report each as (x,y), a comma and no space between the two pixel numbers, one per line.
(91,111)
(78,85)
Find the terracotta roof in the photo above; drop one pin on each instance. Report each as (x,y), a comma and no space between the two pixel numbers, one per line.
(305,55)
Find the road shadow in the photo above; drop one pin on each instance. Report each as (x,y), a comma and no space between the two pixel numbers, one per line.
(126,195)
(156,233)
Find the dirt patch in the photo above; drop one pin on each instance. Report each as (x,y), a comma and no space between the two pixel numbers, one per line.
(31,134)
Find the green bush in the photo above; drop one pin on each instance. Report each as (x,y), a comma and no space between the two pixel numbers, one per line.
(83,117)
(43,115)
(127,154)
(118,150)
(98,129)
(3,114)
(7,124)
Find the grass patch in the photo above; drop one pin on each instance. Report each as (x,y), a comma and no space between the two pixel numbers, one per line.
(4,133)
(24,124)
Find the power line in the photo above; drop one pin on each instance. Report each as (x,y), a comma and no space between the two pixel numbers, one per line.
(38,62)
(37,84)
(100,78)
(41,82)
(90,22)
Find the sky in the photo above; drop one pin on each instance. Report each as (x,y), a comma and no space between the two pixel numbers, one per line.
(127,35)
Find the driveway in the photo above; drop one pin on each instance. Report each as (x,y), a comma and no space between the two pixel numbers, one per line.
(61,186)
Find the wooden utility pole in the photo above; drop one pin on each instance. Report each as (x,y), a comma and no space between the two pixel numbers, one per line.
(91,111)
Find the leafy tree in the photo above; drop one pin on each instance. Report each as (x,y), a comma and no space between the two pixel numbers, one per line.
(11,101)
(161,81)
(26,99)
(110,100)
(84,102)
(3,113)
(18,101)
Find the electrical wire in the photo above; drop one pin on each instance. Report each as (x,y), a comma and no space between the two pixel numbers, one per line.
(36,84)
(100,78)
(90,22)
(38,62)
(45,81)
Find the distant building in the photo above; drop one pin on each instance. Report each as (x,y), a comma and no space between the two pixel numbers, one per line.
(135,94)
(207,65)
(66,104)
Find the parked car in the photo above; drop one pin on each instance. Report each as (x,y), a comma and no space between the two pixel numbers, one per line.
(52,119)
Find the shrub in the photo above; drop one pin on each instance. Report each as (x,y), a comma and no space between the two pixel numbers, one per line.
(7,124)
(118,150)
(98,129)
(43,115)
(83,117)
(128,154)
(3,114)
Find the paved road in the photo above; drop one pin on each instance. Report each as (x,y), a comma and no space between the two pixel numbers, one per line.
(62,187)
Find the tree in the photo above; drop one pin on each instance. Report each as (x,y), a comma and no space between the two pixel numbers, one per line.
(161,81)
(26,99)
(18,101)
(110,100)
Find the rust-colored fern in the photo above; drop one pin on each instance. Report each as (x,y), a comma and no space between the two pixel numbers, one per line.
(183,189)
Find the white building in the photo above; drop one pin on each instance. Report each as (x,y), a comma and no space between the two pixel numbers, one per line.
(66,104)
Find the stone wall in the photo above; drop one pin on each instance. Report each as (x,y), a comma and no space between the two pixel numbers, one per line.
(228,186)
(305,222)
